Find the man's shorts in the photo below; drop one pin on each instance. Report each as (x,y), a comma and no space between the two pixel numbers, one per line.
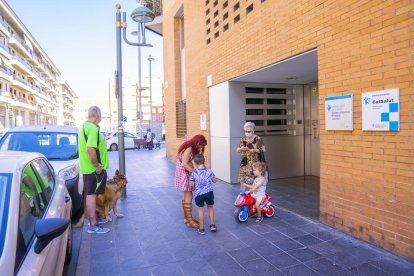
(95,183)
(208,198)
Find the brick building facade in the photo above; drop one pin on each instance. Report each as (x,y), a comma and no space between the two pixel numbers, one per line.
(344,47)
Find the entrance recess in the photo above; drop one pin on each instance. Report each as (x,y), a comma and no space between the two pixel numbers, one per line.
(282,99)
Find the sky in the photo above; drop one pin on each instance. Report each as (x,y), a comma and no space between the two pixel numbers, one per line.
(80,38)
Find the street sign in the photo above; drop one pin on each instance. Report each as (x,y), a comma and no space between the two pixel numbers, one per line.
(124,119)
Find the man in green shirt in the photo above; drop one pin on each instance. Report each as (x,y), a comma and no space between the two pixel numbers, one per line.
(93,162)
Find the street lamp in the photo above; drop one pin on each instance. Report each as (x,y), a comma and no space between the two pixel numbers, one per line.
(150,59)
(141,15)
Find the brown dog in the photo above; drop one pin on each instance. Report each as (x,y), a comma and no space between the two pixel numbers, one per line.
(108,201)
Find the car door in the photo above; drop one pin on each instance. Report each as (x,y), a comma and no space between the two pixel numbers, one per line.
(37,200)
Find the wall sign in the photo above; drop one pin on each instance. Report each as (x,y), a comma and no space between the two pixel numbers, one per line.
(339,114)
(381,110)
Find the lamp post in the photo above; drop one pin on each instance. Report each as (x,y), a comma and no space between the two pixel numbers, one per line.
(141,15)
(150,59)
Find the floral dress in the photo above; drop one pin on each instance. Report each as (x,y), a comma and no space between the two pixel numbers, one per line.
(182,176)
(249,158)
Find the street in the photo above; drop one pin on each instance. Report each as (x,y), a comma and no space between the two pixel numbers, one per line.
(152,240)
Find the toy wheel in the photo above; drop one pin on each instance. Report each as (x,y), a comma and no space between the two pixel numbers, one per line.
(238,215)
(272,209)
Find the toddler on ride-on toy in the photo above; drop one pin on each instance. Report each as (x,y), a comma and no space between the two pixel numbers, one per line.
(258,189)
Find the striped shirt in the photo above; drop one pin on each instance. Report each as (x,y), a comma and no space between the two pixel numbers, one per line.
(202,178)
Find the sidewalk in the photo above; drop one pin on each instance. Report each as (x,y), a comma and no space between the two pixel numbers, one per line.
(152,240)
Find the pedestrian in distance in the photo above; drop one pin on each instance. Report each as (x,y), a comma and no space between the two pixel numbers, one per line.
(93,163)
(149,139)
(183,169)
(258,188)
(202,180)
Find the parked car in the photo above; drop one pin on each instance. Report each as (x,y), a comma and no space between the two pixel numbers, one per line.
(60,145)
(35,207)
(112,141)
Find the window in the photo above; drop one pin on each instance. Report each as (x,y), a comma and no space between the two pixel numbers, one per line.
(181,117)
(208,21)
(46,174)
(225,4)
(249,9)
(208,31)
(236,6)
(216,24)
(215,3)
(226,27)
(33,203)
(225,16)
(216,13)
(208,41)
(217,34)
(237,19)
(207,11)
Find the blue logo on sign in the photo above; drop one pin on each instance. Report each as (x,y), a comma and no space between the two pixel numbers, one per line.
(329,108)
(367,100)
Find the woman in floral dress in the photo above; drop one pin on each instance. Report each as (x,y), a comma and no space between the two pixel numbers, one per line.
(251,146)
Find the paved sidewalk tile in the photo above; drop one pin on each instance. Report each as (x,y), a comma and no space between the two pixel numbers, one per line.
(152,239)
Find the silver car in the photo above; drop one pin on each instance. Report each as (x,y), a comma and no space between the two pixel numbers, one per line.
(60,146)
(35,207)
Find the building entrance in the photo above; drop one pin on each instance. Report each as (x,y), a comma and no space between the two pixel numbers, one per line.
(286,117)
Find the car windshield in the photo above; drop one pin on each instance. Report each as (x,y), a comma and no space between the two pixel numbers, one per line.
(5,185)
(53,145)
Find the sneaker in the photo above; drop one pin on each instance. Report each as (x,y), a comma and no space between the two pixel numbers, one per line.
(99,221)
(97,230)
(213,228)
(201,231)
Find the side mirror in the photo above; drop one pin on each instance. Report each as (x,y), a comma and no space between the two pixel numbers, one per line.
(48,229)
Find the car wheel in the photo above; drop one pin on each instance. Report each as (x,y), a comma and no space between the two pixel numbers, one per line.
(68,256)
(113,147)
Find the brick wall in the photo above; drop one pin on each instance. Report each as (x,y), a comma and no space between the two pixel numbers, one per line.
(367,178)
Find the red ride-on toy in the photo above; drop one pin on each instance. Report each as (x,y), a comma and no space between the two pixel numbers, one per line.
(245,207)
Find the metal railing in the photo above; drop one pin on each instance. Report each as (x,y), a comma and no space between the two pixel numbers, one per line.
(181,117)
(6,71)
(154,5)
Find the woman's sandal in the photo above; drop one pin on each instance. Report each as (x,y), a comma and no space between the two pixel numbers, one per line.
(259,219)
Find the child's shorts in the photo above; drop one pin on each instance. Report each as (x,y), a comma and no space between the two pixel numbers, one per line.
(208,198)
(259,198)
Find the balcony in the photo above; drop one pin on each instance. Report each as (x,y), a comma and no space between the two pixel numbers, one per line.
(4,28)
(17,44)
(4,50)
(19,63)
(5,73)
(156,7)
(22,102)
(22,83)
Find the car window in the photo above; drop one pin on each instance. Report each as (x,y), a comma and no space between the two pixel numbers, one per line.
(129,135)
(5,186)
(53,145)
(34,197)
(115,135)
(47,179)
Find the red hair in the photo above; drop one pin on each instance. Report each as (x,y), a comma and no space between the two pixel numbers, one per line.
(194,143)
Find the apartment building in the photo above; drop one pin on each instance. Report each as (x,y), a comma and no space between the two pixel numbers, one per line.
(30,84)
(67,106)
(285,65)
(131,105)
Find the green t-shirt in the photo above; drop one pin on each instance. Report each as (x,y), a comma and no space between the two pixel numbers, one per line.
(92,132)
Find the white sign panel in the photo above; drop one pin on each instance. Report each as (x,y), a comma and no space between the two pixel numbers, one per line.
(203,121)
(381,110)
(339,113)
